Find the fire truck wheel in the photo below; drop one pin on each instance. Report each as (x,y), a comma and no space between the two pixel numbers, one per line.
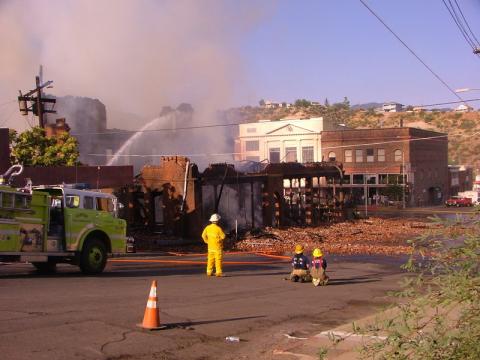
(45,267)
(94,257)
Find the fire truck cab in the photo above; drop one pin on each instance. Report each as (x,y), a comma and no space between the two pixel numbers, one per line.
(46,225)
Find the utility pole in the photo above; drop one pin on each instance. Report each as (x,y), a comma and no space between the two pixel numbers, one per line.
(365,194)
(36,107)
(41,123)
(403,178)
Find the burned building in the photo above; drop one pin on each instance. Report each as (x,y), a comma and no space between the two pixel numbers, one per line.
(174,198)
(164,198)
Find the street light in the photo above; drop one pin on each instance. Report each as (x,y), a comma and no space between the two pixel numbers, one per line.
(465,90)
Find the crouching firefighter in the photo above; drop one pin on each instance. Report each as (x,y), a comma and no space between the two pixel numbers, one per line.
(300,264)
(318,268)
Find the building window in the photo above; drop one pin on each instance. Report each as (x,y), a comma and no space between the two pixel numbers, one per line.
(348,156)
(381,154)
(358,156)
(358,178)
(253,158)
(274,155)
(370,155)
(346,179)
(398,155)
(395,179)
(332,156)
(371,179)
(383,179)
(251,130)
(307,154)
(252,145)
(291,154)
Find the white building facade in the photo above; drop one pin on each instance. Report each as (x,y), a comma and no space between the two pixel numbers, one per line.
(285,140)
(392,107)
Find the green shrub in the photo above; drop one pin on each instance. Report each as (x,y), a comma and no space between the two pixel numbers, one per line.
(467,124)
(439,312)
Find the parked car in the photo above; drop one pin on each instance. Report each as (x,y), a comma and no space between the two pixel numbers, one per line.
(459,201)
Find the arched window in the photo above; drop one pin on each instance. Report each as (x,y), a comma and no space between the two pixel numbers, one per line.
(332,156)
(398,155)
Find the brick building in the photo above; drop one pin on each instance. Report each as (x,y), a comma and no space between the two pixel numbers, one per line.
(376,161)
(460,178)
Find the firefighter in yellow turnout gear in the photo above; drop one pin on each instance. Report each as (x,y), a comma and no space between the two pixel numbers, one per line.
(213,236)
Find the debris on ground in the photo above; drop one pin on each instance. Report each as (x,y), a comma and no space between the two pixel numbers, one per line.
(372,236)
(367,237)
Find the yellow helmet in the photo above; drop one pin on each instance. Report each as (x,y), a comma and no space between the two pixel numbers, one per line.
(298,249)
(317,253)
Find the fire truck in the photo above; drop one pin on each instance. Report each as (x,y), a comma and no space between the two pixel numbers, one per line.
(47,225)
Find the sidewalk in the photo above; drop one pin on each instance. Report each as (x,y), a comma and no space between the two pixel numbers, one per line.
(345,347)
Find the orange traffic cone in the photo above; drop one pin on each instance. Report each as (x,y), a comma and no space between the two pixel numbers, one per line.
(151,319)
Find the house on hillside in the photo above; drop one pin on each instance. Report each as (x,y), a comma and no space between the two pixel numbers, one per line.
(392,107)
(267,104)
(463,108)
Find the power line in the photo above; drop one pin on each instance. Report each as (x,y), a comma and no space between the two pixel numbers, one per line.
(156,130)
(124,132)
(448,103)
(323,148)
(466,22)
(411,51)
(455,18)
(7,119)
(7,102)
(462,25)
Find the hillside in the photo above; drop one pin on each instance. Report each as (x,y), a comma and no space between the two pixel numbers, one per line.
(462,128)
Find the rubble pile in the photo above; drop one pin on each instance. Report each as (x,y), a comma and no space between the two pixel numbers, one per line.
(372,236)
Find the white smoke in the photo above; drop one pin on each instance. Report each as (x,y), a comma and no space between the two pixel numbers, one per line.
(133,55)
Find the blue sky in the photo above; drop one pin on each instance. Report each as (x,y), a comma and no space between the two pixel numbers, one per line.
(139,55)
(319,49)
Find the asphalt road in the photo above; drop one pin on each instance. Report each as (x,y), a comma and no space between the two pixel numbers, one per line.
(70,316)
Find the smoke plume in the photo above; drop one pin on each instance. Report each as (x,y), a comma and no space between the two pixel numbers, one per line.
(133,55)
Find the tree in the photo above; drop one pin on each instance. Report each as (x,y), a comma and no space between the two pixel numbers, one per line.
(34,148)
(12,135)
(261,103)
(344,105)
(327,103)
(302,103)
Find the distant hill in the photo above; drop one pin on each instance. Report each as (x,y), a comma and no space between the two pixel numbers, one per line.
(462,128)
(366,106)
